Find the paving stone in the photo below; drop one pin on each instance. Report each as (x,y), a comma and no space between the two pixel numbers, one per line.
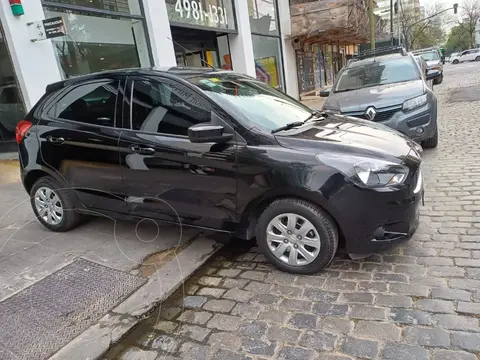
(372,286)
(452,355)
(297,305)
(194,302)
(468,308)
(287,291)
(456,322)
(238,295)
(398,351)
(400,301)
(229,272)
(224,322)
(234,283)
(195,351)
(464,284)
(413,317)
(428,281)
(165,326)
(194,332)
(356,298)
(432,337)
(266,299)
(303,321)
(318,341)
(247,311)
(390,277)
(434,305)
(295,353)
(345,265)
(410,289)
(398,259)
(226,340)
(136,354)
(371,268)
(222,354)
(451,294)
(377,330)
(212,292)
(209,281)
(455,253)
(256,329)
(466,341)
(335,325)
(280,278)
(258,347)
(354,275)
(274,316)
(473,273)
(258,287)
(312,281)
(219,305)
(170,312)
(329,309)
(283,334)
(324,356)
(165,343)
(411,269)
(253,275)
(195,317)
(339,285)
(320,295)
(365,312)
(414,251)
(360,348)
(467,262)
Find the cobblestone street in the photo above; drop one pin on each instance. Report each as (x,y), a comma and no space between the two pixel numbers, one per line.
(418,301)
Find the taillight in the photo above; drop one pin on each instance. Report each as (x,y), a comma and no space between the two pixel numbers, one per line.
(21,129)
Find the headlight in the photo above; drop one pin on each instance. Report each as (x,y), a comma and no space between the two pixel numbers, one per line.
(368,173)
(415,102)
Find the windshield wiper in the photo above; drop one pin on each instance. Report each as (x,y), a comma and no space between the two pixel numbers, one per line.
(315,113)
(288,126)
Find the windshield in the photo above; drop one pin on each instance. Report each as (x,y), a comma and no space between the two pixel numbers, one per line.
(431,55)
(378,72)
(254,100)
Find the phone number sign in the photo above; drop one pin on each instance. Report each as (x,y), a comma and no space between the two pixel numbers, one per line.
(209,13)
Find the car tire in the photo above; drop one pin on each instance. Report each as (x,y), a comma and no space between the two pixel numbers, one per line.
(319,243)
(439,80)
(432,142)
(455,62)
(477,58)
(53,205)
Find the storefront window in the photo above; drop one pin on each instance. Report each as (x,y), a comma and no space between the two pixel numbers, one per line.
(206,13)
(12,109)
(263,19)
(97,43)
(268,60)
(122,6)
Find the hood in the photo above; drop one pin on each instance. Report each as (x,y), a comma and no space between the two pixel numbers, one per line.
(348,135)
(378,96)
(431,63)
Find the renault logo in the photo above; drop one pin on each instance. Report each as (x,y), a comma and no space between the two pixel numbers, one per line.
(370,113)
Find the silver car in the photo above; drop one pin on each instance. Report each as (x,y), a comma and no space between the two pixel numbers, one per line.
(390,90)
(434,62)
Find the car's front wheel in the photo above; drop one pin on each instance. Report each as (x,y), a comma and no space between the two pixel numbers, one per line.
(432,142)
(438,80)
(53,205)
(455,62)
(297,236)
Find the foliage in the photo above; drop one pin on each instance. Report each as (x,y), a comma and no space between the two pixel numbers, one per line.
(470,10)
(459,39)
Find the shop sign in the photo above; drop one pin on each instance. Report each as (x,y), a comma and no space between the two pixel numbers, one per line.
(47,29)
(206,13)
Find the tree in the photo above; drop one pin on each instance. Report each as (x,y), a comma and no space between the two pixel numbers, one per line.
(459,39)
(470,11)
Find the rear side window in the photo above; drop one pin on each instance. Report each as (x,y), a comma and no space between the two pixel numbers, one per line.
(92,103)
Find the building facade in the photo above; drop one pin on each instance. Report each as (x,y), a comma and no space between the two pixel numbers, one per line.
(247,36)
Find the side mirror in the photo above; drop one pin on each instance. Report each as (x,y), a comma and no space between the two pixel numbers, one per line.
(206,132)
(324,93)
(433,74)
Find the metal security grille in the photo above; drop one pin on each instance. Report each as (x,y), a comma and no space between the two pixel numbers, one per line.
(38,321)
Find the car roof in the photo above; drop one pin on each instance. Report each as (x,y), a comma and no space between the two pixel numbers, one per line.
(174,72)
(371,60)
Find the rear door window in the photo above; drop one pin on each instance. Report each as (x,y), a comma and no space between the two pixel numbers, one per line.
(93,103)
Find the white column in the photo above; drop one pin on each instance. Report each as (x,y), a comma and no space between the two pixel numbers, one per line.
(34,63)
(159,32)
(289,58)
(241,47)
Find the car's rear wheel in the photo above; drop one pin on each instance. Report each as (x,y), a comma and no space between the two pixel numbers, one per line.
(53,205)
(297,236)
(432,142)
(455,62)
(477,58)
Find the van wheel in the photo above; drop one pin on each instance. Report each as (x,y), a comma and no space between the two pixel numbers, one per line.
(455,62)
(432,142)
(297,236)
(53,205)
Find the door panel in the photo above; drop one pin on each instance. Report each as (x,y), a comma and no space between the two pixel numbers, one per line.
(79,140)
(166,176)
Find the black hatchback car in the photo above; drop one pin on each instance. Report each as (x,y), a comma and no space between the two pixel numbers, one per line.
(219,151)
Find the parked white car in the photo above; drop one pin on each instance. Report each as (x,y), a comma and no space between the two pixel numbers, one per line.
(467,55)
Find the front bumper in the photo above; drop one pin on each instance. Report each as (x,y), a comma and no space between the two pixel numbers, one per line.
(378,219)
(419,124)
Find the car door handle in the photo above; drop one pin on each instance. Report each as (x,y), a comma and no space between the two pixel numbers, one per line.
(142,150)
(55,139)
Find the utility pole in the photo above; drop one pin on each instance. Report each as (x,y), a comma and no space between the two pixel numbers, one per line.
(391,21)
(372,24)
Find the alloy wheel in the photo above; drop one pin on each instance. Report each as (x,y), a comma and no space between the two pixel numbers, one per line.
(48,205)
(293,239)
